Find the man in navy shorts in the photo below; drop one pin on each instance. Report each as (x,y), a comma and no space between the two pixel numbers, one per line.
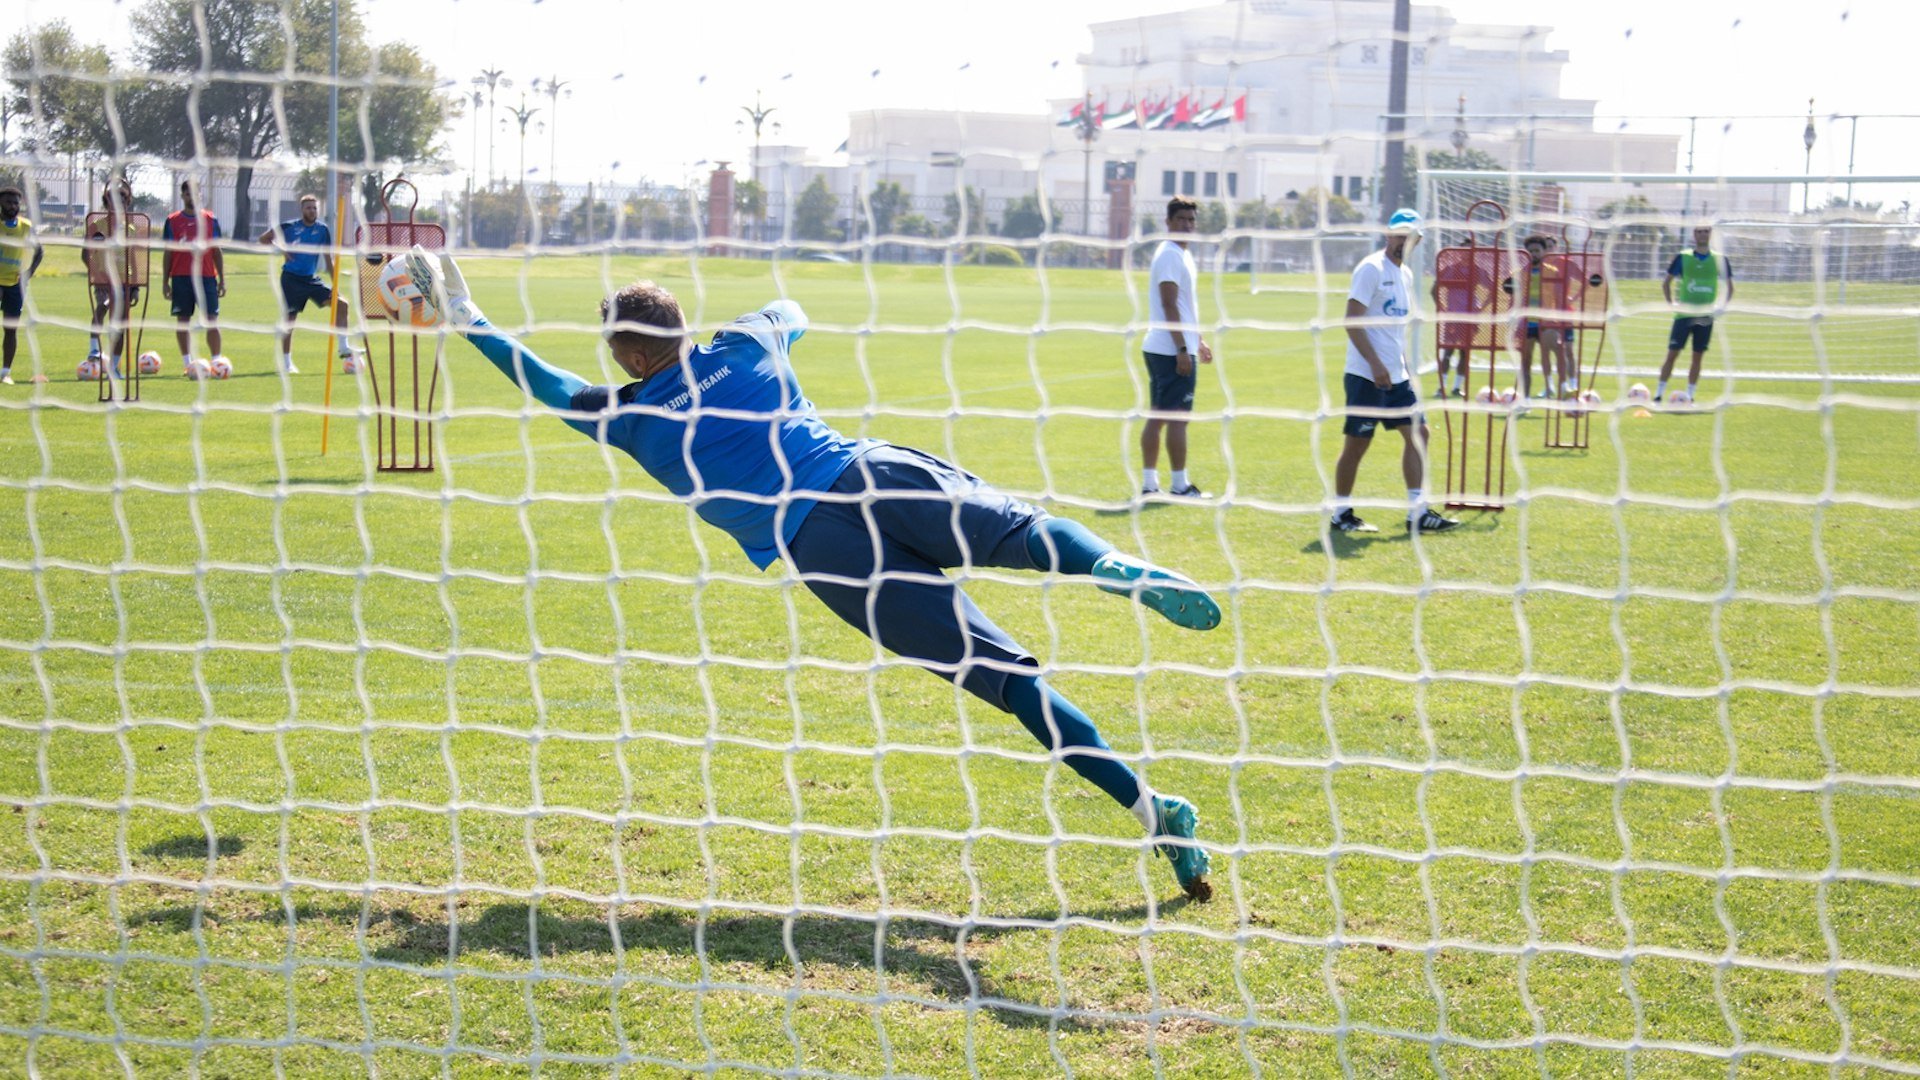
(1379,383)
(196,271)
(306,242)
(869,527)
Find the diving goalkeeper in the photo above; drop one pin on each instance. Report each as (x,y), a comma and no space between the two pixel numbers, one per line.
(869,527)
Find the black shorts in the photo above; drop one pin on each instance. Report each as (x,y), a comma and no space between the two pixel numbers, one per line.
(190,291)
(1698,327)
(103,294)
(1363,394)
(13,300)
(1170,391)
(297,292)
(918,517)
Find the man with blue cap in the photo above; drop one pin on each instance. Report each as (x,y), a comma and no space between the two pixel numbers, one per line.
(1379,382)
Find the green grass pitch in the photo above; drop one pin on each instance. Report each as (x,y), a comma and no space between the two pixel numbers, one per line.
(320,772)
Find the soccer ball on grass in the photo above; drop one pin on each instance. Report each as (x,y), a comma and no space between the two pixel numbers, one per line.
(197,368)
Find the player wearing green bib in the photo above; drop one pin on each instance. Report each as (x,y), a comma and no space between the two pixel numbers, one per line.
(1706,286)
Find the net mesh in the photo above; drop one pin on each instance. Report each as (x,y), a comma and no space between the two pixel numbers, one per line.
(316,769)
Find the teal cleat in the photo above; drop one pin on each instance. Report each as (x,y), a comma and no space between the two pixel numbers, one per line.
(1176,817)
(1178,599)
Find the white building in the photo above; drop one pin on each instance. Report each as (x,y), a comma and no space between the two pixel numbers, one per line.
(1302,90)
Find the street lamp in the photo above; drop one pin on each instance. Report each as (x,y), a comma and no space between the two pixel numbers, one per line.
(1087,127)
(555,88)
(493,79)
(523,115)
(1806,189)
(758,115)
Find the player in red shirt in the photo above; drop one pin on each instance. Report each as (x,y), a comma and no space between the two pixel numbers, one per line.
(196,274)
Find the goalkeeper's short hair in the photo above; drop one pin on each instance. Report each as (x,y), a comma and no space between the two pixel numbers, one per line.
(639,305)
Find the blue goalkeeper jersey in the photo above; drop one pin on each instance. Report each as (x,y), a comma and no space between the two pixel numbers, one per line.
(731,431)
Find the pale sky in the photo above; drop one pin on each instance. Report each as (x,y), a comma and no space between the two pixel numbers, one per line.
(639,97)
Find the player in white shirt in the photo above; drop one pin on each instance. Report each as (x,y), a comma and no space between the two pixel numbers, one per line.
(1379,385)
(1171,346)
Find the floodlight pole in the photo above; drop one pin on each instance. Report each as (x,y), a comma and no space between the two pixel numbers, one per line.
(339,215)
(554,87)
(1808,137)
(758,114)
(494,80)
(1396,162)
(1089,131)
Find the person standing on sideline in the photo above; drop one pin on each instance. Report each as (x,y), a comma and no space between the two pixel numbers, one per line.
(1378,385)
(196,272)
(305,242)
(1706,288)
(16,240)
(1171,345)
(105,245)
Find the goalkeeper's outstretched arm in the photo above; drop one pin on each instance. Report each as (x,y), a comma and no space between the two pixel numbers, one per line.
(439,279)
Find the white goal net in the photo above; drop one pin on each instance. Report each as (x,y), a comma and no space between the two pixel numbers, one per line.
(383,715)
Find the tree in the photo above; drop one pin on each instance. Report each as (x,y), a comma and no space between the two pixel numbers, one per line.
(216,44)
(1024,219)
(1258,215)
(1632,235)
(67,112)
(885,203)
(225,47)
(750,199)
(976,223)
(815,212)
(402,112)
(1211,220)
(915,225)
(1307,214)
(1477,160)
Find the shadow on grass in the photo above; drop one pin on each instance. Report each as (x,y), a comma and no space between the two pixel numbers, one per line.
(193,846)
(1348,545)
(935,955)
(1135,507)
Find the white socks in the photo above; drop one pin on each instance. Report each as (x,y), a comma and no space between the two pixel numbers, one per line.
(1143,809)
(1661,391)
(1340,507)
(1415,504)
(1150,479)
(1179,479)
(1690,390)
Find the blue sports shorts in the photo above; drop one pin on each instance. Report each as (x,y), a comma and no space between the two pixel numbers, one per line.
(877,550)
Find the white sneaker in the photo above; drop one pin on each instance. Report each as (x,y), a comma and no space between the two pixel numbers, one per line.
(287,365)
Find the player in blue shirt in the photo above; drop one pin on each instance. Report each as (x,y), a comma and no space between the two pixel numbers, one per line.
(306,242)
(869,527)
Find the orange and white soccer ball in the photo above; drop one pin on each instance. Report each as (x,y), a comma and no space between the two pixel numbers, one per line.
(1483,396)
(351,363)
(89,369)
(1680,399)
(1638,394)
(409,302)
(1509,396)
(198,368)
(219,367)
(1591,398)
